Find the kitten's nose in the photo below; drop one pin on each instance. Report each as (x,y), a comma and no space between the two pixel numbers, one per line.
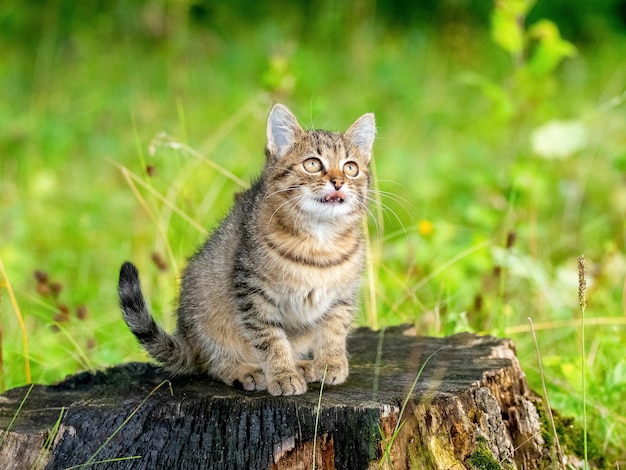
(337,183)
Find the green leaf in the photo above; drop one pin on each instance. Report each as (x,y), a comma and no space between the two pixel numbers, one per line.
(507,24)
(620,163)
(550,50)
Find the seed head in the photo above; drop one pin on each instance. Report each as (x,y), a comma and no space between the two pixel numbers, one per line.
(582,282)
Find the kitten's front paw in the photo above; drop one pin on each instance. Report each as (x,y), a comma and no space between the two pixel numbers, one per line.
(307,368)
(336,369)
(288,382)
(250,379)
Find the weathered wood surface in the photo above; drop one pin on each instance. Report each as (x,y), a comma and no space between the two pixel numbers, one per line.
(471,400)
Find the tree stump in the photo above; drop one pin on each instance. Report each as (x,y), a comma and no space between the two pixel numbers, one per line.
(410,402)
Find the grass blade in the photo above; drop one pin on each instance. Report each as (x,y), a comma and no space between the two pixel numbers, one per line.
(20,320)
(167,141)
(15,415)
(387,454)
(91,460)
(153,217)
(545,397)
(317,416)
(41,459)
(371,301)
(126,173)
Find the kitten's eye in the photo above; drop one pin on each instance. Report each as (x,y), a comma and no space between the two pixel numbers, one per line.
(312,165)
(351,169)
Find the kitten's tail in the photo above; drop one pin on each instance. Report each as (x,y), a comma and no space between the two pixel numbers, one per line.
(169,350)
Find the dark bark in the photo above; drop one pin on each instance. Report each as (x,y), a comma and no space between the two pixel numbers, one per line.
(471,398)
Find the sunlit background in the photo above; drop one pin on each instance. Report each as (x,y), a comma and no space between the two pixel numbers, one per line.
(127,127)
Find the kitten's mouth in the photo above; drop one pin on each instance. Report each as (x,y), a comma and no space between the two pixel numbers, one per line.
(335,196)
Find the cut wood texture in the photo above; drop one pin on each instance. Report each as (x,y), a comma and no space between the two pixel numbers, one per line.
(410,402)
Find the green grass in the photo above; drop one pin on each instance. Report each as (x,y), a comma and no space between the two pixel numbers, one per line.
(481,232)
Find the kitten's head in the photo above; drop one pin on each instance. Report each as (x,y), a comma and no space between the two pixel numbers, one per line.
(321,174)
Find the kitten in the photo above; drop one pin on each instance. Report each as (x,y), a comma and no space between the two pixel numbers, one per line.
(278,278)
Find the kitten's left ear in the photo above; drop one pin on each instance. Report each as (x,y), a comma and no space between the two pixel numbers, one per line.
(361,134)
(282,131)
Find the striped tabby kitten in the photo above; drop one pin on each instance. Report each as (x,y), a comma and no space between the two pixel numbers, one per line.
(276,283)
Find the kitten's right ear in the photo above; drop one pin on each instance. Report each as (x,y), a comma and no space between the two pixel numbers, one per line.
(282,131)
(362,134)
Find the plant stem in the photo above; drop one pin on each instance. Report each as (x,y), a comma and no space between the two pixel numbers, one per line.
(582,300)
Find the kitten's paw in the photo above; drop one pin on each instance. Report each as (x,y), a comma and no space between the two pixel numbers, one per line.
(308,371)
(287,382)
(336,369)
(250,380)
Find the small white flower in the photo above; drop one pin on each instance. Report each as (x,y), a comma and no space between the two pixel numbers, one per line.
(557,140)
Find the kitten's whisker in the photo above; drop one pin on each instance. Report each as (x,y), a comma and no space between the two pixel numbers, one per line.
(299,213)
(297,198)
(371,214)
(387,209)
(394,197)
(392,182)
(290,188)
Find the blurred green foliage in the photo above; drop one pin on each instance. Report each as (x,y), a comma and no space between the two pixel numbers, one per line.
(500,159)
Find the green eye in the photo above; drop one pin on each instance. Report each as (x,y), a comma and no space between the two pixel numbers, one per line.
(351,169)
(312,165)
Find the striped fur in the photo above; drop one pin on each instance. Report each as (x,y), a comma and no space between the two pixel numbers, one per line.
(267,301)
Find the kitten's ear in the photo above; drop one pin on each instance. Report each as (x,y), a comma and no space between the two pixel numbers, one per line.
(282,131)
(361,134)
